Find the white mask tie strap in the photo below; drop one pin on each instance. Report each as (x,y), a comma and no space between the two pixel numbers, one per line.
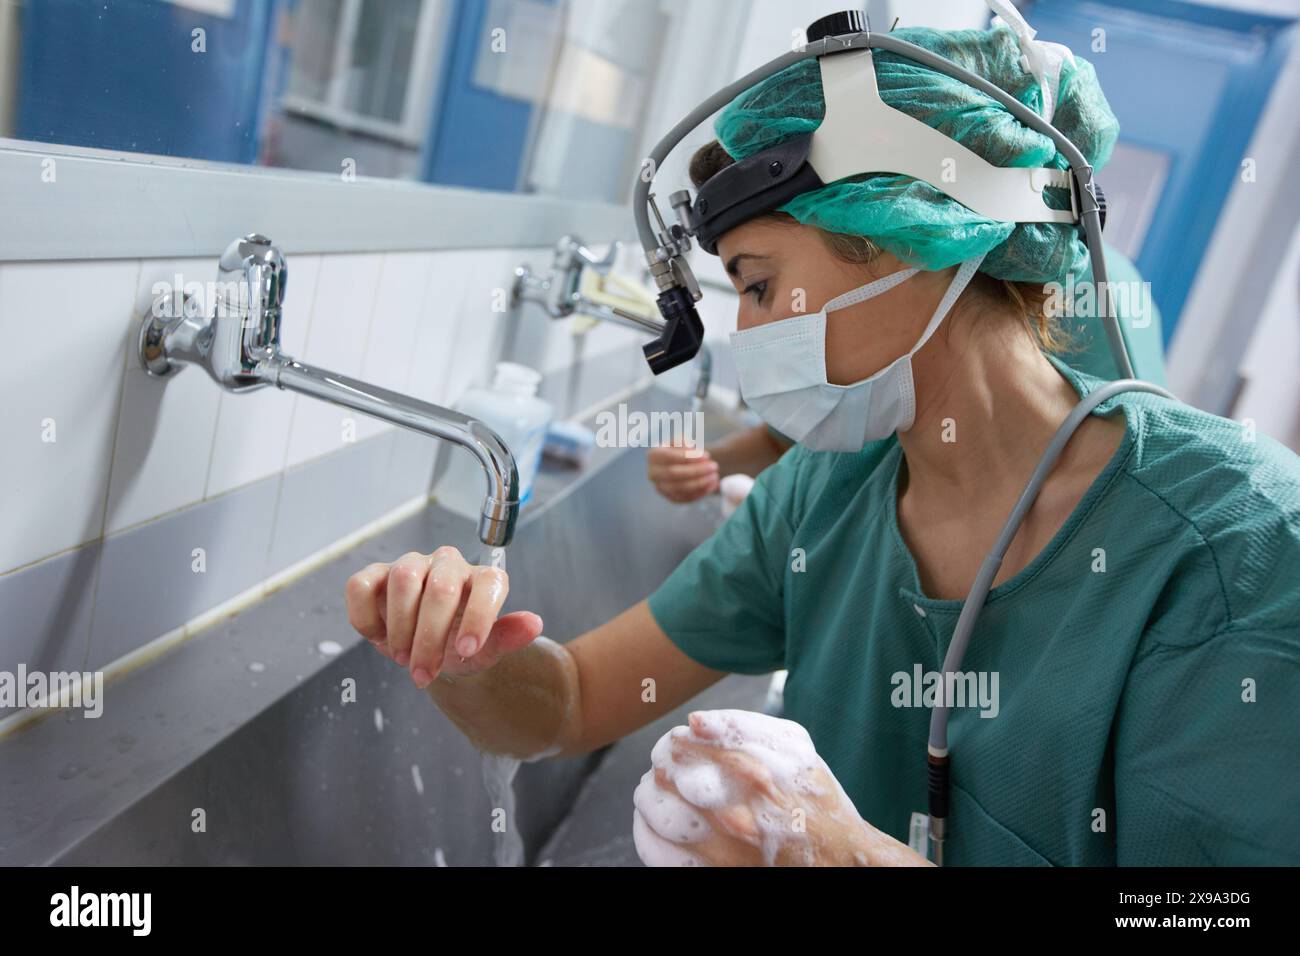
(870,290)
(965,273)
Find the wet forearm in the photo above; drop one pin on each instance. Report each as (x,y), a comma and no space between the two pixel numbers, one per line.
(525,705)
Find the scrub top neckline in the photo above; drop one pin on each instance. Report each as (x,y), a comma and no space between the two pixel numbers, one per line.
(1095,490)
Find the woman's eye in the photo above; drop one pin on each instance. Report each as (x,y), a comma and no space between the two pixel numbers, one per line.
(758,289)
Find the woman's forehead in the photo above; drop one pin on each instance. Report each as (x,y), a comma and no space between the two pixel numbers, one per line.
(757,239)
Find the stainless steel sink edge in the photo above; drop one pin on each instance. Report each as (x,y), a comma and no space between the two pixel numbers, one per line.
(69,796)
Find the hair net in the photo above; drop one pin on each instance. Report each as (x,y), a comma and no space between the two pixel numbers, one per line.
(909,218)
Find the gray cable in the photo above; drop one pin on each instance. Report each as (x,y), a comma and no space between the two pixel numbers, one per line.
(641,193)
(937,745)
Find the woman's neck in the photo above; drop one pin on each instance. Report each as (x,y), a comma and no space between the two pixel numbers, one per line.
(987,404)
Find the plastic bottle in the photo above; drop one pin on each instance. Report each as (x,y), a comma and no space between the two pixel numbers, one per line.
(734,489)
(511,408)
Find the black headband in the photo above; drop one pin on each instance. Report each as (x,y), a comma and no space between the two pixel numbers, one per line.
(751,187)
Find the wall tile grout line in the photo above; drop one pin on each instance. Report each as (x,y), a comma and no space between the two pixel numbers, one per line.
(108,480)
(121,398)
(372,312)
(408,382)
(212,445)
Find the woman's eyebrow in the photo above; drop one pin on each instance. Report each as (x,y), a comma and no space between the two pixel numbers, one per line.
(734,261)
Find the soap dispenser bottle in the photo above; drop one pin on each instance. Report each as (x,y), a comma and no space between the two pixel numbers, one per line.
(511,408)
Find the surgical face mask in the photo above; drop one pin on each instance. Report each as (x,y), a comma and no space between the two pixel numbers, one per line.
(782,370)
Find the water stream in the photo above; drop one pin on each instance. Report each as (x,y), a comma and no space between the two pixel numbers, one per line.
(708,507)
(499,779)
(499,775)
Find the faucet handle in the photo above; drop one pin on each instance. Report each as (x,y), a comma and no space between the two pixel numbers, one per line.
(570,253)
(257,260)
(604,264)
(252,275)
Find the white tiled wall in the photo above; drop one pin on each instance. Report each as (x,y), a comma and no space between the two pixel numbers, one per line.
(66,328)
(164,442)
(91,445)
(336,339)
(432,352)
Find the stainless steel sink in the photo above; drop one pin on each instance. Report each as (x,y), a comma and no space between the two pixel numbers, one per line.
(244,726)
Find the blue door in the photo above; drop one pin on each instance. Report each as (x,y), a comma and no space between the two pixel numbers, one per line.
(1188,83)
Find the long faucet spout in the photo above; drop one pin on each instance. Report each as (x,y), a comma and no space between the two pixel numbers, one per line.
(500,506)
(238,344)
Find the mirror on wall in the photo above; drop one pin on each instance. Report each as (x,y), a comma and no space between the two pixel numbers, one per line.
(533,96)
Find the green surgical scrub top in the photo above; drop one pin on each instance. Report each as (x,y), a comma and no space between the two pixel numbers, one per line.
(1148,659)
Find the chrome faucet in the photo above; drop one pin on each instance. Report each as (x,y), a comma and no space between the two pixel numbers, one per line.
(560,293)
(560,296)
(238,343)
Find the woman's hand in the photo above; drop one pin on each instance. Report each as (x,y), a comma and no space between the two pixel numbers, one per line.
(744,789)
(680,473)
(436,614)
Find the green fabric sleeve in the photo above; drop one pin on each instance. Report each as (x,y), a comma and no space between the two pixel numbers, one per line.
(1203,775)
(724,605)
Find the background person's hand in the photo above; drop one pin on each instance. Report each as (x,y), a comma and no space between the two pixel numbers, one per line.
(436,614)
(680,473)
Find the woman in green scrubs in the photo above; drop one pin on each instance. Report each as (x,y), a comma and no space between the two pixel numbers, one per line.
(1135,687)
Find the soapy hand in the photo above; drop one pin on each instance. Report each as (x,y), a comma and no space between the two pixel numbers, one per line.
(681,473)
(737,788)
(436,614)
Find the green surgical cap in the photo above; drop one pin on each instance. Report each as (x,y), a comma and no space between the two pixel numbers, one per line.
(909,218)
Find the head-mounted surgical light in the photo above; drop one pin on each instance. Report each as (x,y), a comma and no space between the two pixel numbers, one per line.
(860,134)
